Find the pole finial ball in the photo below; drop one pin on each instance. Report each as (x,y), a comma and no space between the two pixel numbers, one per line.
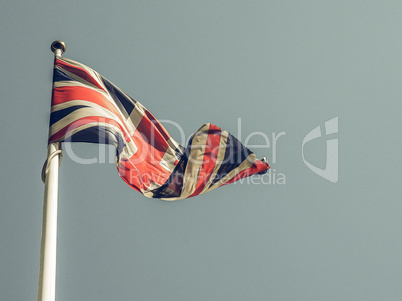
(56,45)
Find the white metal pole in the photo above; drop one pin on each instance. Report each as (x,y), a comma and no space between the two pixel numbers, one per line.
(47,266)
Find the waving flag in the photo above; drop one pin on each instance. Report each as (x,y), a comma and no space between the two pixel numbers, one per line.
(86,107)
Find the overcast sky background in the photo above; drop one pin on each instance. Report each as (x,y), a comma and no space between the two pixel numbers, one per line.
(279,66)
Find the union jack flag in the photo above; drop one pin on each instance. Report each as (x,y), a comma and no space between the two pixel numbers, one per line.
(86,107)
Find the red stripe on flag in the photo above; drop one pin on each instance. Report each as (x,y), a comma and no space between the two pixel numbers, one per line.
(148,157)
(144,166)
(151,134)
(70,93)
(158,126)
(141,174)
(78,71)
(145,150)
(209,161)
(82,121)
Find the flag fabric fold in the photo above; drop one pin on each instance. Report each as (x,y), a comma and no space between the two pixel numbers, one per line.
(86,107)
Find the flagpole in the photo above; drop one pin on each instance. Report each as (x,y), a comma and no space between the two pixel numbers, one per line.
(50,176)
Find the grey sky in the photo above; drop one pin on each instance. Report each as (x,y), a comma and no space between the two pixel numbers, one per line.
(279,66)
